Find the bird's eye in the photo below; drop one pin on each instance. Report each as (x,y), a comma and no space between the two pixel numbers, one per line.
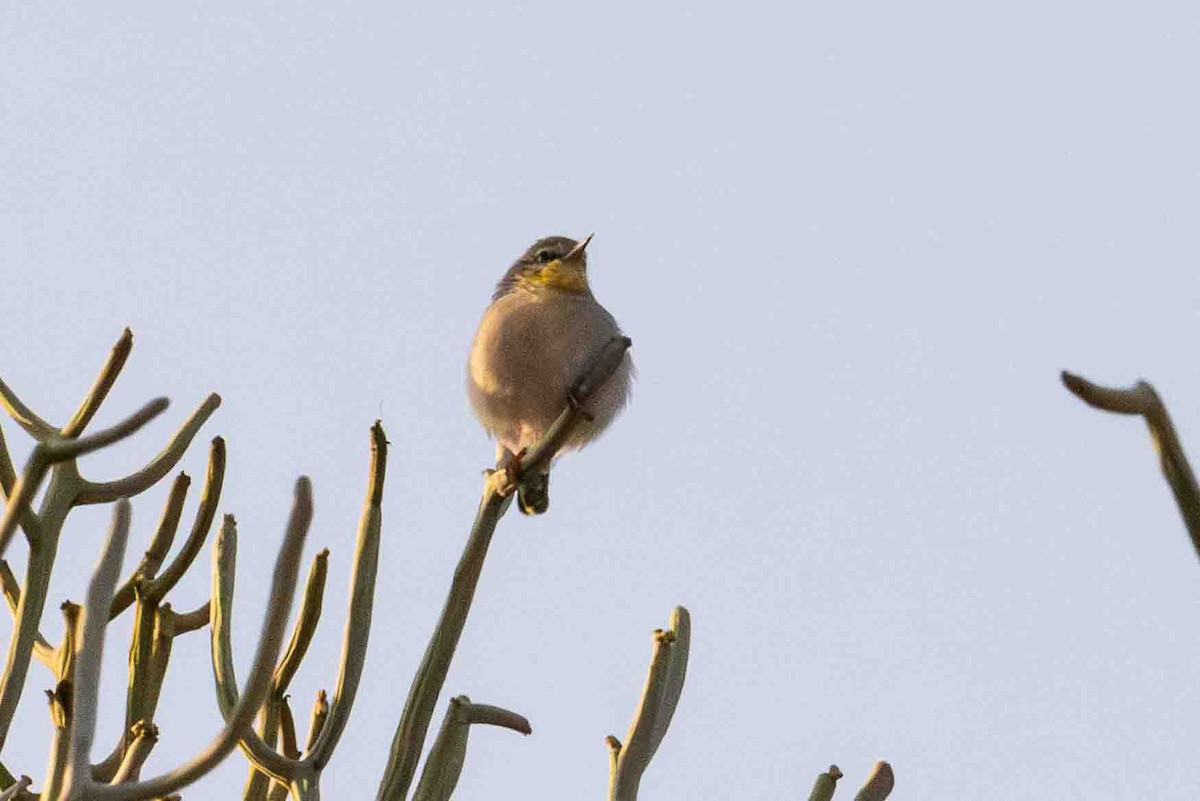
(544,256)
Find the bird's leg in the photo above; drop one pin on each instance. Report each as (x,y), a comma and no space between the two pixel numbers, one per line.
(577,404)
(512,462)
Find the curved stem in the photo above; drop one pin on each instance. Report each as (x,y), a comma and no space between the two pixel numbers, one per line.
(109,491)
(1142,399)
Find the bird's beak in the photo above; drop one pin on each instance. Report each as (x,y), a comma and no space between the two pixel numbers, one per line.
(577,251)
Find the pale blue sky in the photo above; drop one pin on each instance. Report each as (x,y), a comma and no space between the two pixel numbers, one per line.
(853,244)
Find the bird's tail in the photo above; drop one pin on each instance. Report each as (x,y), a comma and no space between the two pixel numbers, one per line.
(533,496)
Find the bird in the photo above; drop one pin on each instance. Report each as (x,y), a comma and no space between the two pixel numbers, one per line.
(542,330)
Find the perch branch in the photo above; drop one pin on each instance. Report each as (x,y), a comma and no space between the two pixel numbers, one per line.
(1141,399)
(431,674)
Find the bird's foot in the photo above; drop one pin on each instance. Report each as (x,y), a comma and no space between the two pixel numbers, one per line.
(503,478)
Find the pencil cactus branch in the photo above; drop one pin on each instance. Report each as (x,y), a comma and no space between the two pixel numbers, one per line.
(1142,399)
(879,783)
(825,784)
(224,564)
(445,762)
(99,391)
(43,651)
(210,497)
(664,683)
(681,632)
(302,776)
(8,480)
(191,621)
(283,585)
(316,723)
(52,451)
(160,545)
(287,729)
(15,790)
(91,624)
(362,600)
(25,417)
(306,624)
(138,482)
(497,496)
(142,741)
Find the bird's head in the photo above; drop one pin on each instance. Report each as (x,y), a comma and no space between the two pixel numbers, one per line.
(554,262)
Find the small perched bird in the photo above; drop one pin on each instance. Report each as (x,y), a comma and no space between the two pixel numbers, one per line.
(542,330)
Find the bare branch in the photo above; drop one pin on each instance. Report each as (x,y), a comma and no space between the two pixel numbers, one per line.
(8,480)
(221,624)
(362,600)
(316,722)
(449,751)
(825,785)
(306,624)
(214,480)
(108,491)
(193,620)
(1142,399)
(15,790)
(664,683)
(635,756)
(143,738)
(879,784)
(99,391)
(681,630)
(35,426)
(283,586)
(160,544)
(61,450)
(287,730)
(91,649)
(19,500)
(42,649)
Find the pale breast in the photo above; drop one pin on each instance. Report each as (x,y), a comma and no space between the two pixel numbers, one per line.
(529,349)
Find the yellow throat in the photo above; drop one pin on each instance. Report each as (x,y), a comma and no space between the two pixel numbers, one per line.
(561,274)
